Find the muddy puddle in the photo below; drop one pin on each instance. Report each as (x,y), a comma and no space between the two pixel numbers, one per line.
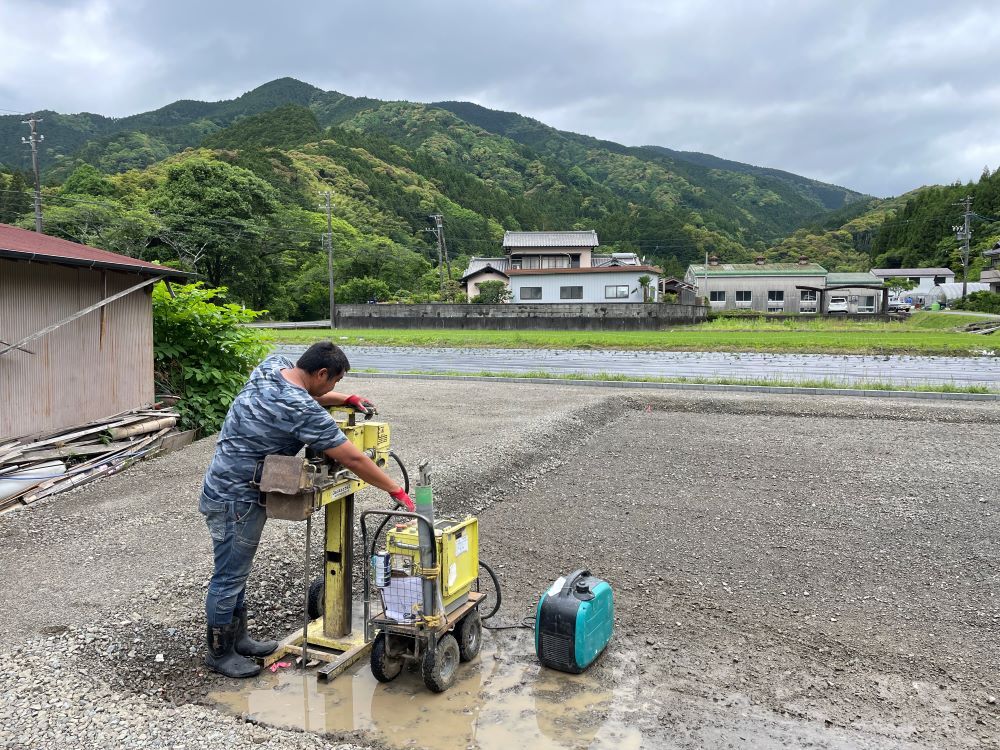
(502,699)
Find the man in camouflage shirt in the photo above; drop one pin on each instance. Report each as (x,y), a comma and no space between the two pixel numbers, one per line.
(282,408)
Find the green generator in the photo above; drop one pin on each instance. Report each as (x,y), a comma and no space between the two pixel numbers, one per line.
(574,622)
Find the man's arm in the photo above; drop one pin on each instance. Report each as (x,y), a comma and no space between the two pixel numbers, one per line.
(347,455)
(333,399)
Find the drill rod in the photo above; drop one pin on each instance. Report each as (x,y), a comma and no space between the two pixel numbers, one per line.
(305,624)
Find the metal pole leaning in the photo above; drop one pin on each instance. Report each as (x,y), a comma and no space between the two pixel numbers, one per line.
(424,501)
(305,622)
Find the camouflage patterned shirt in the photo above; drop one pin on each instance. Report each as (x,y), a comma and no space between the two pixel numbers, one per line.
(270,415)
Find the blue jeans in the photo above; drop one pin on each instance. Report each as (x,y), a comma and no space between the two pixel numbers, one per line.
(235,527)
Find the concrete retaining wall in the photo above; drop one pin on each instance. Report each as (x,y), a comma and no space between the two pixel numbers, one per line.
(574,317)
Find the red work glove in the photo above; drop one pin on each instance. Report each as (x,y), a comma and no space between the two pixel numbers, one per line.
(403,499)
(360,403)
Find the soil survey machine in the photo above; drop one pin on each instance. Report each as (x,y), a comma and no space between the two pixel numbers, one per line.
(421,592)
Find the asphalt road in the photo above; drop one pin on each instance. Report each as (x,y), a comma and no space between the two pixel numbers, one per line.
(903,370)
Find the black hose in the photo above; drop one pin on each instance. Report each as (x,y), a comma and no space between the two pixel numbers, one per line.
(406,489)
(528,623)
(496,585)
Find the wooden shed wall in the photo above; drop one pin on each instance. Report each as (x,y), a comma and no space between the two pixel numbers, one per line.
(94,367)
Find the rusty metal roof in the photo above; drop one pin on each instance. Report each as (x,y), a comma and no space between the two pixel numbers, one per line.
(23,244)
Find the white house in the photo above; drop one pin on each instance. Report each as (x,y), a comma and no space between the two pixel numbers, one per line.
(563,267)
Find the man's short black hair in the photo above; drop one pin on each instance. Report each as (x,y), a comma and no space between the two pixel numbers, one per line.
(324,354)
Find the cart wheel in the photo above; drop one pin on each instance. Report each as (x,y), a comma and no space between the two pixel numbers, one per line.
(385,668)
(469,633)
(316,599)
(440,664)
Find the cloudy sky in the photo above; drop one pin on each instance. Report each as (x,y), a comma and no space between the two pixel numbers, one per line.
(878,96)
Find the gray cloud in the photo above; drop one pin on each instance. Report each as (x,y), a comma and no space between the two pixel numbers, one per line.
(878,96)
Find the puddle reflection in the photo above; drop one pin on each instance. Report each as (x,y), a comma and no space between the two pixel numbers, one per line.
(501,699)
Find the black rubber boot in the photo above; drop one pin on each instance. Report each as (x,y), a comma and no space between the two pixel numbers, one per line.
(246,645)
(222,656)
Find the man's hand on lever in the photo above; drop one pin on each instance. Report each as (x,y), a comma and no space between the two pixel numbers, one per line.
(360,403)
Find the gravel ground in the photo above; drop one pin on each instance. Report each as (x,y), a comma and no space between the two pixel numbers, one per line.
(788,570)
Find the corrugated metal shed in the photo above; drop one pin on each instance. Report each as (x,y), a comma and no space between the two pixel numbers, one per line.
(95,366)
(586,238)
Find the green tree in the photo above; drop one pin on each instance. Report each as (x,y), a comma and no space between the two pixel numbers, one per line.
(363,290)
(899,284)
(15,198)
(984,302)
(217,219)
(644,282)
(87,180)
(493,292)
(202,351)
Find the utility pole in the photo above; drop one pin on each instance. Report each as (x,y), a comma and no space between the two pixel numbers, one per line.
(33,140)
(328,242)
(706,282)
(443,261)
(964,234)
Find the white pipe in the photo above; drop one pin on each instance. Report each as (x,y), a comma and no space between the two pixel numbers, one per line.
(19,481)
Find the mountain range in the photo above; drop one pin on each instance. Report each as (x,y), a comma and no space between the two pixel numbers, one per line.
(391,163)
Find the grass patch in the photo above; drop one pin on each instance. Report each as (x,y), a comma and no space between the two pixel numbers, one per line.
(771,382)
(922,334)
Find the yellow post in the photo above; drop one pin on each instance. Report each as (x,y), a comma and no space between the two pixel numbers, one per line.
(338,553)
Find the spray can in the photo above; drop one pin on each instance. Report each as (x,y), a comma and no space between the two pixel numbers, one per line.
(382,565)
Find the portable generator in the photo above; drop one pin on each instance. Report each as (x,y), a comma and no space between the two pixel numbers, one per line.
(574,621)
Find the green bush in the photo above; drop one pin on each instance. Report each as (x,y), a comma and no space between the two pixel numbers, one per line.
(202,351)
(984,302)
(492,293)
(364,289)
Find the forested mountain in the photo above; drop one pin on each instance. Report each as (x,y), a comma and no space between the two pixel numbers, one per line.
(913,230)
(232,189)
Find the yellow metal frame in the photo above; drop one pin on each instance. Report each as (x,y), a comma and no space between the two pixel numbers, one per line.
(330,638)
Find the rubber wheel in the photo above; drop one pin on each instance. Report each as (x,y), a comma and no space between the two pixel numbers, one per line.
(317,599)
(385,668)
(469,634)
(440,664)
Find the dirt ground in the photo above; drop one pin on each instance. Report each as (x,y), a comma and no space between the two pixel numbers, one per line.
(788,570)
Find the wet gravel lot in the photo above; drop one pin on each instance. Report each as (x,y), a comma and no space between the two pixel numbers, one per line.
(788,570)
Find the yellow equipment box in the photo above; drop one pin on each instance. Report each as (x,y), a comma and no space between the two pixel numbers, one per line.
(457,552)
